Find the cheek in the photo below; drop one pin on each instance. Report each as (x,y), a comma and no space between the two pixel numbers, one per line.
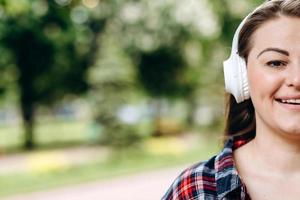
(257,82)
(262,82)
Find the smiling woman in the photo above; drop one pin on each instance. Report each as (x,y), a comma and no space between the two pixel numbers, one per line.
(260,159)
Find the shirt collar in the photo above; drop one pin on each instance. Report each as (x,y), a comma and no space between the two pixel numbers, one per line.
(227,178)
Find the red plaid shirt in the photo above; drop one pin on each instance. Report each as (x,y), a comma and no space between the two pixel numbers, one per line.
(215,179)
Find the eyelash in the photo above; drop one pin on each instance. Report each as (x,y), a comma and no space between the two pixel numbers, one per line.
(271,63)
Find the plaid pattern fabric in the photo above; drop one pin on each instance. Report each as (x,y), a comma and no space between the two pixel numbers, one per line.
(215,179)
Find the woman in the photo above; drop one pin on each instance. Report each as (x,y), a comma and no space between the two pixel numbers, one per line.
(261,159)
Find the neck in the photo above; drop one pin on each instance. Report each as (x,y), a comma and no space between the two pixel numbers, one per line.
(275,153)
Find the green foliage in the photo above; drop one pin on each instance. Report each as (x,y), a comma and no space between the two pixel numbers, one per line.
(149,50)
(45,53)
(154,40)
(49,52)
(160,72)
(113,85)
(122,136)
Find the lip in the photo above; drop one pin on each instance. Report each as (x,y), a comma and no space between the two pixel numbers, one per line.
(288,97)
(291,107)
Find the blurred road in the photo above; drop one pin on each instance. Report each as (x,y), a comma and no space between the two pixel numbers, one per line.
(39,160)
(144,186)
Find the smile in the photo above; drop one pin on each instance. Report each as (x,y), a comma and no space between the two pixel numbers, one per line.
(289,104)
(289,101)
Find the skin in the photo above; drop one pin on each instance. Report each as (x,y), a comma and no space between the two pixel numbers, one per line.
(269,165)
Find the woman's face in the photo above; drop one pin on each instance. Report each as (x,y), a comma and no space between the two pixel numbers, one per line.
(274,75)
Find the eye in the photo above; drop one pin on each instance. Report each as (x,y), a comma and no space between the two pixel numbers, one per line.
(276,63)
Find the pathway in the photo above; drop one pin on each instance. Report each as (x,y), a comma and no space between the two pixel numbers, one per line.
(144,186)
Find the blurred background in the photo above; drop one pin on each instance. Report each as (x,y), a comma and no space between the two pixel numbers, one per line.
(95,90)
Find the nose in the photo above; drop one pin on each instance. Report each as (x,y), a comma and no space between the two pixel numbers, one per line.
(293,79)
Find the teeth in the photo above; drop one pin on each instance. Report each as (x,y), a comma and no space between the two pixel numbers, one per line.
(295,101)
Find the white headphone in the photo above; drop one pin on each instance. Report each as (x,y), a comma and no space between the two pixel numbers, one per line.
(235,71)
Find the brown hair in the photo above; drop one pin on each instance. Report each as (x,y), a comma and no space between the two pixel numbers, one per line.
(240,118)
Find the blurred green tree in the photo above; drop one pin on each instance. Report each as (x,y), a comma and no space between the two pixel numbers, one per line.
(176,49)
(162,45)
(156,41)
(113,85)
(160,72)
(150,61)
(52,44)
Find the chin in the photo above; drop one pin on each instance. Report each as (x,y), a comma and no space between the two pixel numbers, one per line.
(287,123)
(291,132)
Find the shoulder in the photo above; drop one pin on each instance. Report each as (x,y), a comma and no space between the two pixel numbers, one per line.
(194,182)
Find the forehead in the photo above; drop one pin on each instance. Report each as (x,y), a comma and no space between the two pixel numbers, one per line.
(282,32)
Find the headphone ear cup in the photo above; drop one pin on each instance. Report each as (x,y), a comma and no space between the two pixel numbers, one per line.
(236,78)
(243,84)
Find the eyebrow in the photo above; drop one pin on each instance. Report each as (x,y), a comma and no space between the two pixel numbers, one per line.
(284,52)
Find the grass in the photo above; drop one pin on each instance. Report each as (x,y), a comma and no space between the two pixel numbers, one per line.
(119,163)
(48,134)
(53,134)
